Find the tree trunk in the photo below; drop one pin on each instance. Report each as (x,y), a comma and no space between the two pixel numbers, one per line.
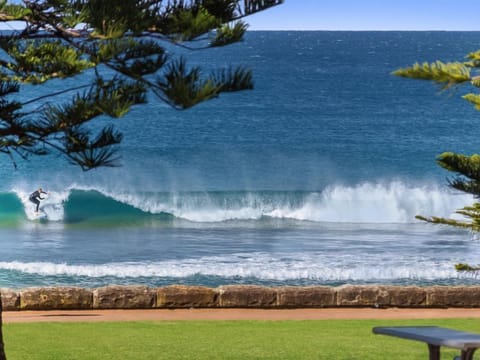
(2,350)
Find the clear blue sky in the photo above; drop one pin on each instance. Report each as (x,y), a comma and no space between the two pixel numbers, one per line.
(369,15)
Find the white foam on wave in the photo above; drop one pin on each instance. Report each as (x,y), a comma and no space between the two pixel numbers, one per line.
(51,206)
(394,202)
(260,266)
(376,203)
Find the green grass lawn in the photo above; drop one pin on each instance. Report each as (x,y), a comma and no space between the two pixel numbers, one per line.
(319,339)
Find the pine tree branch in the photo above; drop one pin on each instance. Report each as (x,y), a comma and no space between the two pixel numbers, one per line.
(50,45)
(53,94)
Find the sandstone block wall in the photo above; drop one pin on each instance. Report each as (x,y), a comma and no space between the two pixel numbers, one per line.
(239,296)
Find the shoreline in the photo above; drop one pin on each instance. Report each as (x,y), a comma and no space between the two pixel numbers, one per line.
(10,317)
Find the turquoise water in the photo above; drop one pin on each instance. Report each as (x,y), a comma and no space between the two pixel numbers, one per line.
(314,177)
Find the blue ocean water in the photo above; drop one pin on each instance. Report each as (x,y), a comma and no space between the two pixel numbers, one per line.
(314,177)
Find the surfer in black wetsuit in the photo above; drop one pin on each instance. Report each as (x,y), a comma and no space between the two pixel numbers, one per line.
(35,197)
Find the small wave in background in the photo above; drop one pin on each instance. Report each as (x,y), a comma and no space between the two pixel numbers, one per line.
(296,268)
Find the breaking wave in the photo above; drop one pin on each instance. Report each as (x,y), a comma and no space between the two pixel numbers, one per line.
(258,266)
(395,202)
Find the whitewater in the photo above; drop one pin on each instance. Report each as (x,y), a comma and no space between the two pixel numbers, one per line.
(313,178)
(379,203)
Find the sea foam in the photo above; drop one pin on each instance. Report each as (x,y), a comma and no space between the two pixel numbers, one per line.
(393,202)
(261,266)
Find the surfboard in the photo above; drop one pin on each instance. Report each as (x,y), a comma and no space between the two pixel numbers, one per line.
(41,215)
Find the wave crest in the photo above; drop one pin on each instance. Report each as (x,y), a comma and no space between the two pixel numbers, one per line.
(259,266)
(394,202)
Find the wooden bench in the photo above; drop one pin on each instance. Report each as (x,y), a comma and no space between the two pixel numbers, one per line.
(435,337)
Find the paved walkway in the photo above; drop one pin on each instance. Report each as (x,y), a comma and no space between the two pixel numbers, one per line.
(235,314)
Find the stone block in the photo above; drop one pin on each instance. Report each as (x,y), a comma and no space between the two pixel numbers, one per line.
(179,296)
(55,298)
(361,296)
(306,297)
(453,296)
(10,299)
(247,296)
(124,297)
(406,296)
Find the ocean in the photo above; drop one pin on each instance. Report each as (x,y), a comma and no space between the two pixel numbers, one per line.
(312,178)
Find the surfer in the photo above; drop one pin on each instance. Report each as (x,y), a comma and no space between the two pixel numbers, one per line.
(35,197)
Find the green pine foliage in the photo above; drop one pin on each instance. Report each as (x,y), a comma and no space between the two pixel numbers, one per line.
(112,19)
(228,34)
(468,166)
(465,168)
(474,59)
(38,61)
(188,24)
(233,79)
(447,74)
(121,44)
(185,87)
(466,267)
(12,11)
(474,98)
